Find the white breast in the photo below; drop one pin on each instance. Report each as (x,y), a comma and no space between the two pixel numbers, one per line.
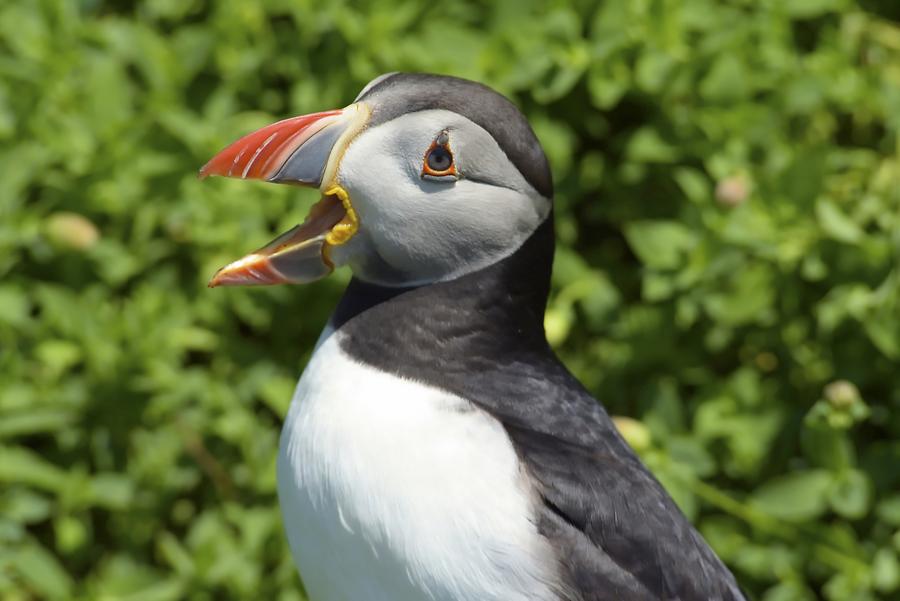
(396,491)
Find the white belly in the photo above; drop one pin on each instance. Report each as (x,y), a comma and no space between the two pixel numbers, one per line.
(395,491)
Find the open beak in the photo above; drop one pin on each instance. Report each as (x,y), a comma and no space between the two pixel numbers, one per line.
(304,151)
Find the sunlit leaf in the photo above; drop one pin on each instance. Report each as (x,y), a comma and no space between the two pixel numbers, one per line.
(797,497)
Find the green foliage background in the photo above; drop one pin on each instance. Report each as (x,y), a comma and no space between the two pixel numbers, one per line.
(728,200)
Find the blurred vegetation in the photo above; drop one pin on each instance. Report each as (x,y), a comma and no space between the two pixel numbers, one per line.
(728,271)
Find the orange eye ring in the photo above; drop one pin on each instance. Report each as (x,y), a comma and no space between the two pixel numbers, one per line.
(438,160)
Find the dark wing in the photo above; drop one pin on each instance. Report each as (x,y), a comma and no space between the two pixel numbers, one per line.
(619,535)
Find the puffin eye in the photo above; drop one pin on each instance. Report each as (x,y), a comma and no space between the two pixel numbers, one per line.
(439,159)
(438,163)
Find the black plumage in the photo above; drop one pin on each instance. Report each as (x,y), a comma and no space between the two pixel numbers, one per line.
(617,534)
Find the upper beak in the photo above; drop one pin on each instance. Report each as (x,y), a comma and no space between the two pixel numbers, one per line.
(303,151)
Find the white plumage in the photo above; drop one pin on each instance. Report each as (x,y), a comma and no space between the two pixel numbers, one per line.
(395,491)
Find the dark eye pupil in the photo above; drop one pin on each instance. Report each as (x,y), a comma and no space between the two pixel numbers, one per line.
(439,159)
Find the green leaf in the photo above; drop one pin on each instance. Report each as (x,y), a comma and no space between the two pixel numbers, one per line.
(726,81)
(797,497)
(22,466)
(58,355)
(607,83)
(660,244)
(647,146)
(886,571)
(747,297)
(851,494)
(122,577)
(71,534)
(807,9)
(691,454)
(826,447)
(837,225)
(24,506)
(42,572)
(888,510)
(14,306)
(789,591)
(114,491)
(32,421)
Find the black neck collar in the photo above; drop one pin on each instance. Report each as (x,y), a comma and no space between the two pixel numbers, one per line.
(486,311)
(479,337)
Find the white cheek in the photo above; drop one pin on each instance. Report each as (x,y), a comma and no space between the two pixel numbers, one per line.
(380,181)
(425,229)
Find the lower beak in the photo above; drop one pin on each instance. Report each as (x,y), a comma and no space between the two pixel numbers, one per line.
(302,151)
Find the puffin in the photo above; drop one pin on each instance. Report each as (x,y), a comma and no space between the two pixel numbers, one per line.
(435,448)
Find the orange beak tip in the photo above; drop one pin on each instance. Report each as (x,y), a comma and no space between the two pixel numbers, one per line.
(204,171)
(252,270)
(215,281)
(225,275)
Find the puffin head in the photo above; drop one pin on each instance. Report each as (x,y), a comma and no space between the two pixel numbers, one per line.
(424,178)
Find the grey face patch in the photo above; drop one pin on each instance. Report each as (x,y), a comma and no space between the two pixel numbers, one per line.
(431,230)
(393,95)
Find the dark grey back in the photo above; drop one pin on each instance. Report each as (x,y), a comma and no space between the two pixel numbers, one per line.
(402,93)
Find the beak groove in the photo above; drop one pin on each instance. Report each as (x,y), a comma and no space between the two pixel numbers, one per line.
(265,152)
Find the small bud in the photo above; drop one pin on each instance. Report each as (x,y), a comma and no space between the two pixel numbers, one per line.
(635,433)
(733,190)
(842,394)
(766,361)
(71,230)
